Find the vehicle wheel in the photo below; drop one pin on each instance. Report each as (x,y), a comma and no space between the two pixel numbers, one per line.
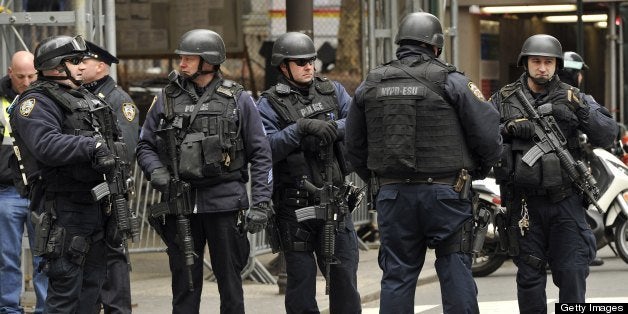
(621,238)
(488,260)
(492,256)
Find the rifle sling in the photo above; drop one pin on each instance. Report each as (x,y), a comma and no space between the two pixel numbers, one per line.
(423,81)
(206,95)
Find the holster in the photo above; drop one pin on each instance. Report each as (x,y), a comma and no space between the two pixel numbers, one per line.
(513,241)
(480,229)
(294,238)
(55,246)
(156,223)
(463,184)
(501,223)
(272,228)
(42,224)
(460,241)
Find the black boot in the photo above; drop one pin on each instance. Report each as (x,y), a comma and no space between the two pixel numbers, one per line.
(597,262)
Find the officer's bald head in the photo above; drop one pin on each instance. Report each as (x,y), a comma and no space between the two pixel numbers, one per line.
(22,71)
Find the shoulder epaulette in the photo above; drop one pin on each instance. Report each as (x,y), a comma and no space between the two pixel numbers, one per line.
(449,67)
(509,89)
(282,89)
(324,86)
(229,88)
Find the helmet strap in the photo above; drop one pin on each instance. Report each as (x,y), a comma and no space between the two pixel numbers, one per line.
(68,76)
(538,81)
(291,77)
(200,71)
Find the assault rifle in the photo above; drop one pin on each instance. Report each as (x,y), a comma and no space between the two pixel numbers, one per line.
(332,209)
(118,184)
(177,200)
(549,138)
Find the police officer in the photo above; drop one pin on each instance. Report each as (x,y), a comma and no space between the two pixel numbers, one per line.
(303,115)
(58,137)
(116,291)
(218,131)
(416,127)
(14,213)
(97,80)
(546,215)
(573,66)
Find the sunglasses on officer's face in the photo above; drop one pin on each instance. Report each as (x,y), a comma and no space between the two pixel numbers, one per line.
(74,60)
(303,62)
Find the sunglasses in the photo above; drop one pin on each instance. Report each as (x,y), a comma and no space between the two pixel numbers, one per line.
(74,60)
(303,62)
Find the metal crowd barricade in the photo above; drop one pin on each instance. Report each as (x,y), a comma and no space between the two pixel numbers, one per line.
(145,196)
(149,240)
(361,215)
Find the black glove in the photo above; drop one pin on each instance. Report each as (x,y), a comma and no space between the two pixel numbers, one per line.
(521,128)
(160,179)
(571,99)
(311,143)
(257,218)
(327,131)
(104,160)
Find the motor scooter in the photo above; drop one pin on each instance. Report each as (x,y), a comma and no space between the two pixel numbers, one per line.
(610,225)
(492,255)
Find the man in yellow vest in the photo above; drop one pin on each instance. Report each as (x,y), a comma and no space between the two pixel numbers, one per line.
(14,213)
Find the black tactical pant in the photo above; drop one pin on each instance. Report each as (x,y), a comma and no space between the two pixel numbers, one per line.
(228,250)
(116,291)
(74,288)
(559,236)
(301,266)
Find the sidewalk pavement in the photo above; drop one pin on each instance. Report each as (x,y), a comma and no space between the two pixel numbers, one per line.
(150,285)
(151,293)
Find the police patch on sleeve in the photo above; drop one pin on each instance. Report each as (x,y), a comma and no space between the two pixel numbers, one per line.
(476,91)
(26,107)
(129,110)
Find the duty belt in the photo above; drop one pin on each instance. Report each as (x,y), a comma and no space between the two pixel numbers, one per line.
(555,194)
(418,180)
(567,190)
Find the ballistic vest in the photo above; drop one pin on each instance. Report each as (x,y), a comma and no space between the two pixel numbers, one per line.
(211,146)
(412,131)
(76,106)
(546,173)
(320,103)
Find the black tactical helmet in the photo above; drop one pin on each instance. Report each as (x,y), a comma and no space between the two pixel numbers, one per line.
(292,45)
(422,27)
(541,45)
(205,43)
(572,60)
(573,65)
(51,51)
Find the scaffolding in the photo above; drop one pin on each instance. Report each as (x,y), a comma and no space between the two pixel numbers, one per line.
(21,30)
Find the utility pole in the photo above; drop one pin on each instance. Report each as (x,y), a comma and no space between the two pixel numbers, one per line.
(300,16)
